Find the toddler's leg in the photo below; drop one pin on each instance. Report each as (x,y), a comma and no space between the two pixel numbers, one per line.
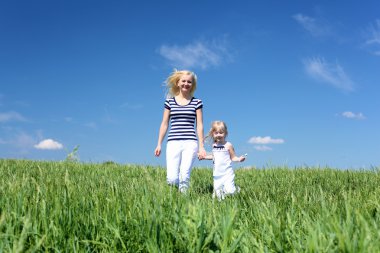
(218,188)
(229,183)
(219,194)
(173,160)
(189,153)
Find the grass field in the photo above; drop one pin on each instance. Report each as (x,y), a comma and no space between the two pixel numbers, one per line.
(79,207)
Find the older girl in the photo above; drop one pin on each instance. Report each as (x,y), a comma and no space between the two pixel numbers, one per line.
(185,114)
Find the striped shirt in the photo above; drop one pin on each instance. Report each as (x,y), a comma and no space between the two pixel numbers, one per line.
(182,119)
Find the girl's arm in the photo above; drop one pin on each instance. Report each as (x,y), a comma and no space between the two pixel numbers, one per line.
(207,157)
(233,156)
(162,132)
(202,151)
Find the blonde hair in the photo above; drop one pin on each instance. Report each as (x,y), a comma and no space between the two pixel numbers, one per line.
(216,126)
(173,79)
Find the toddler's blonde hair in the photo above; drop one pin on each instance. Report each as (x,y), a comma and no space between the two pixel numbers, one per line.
(216,125)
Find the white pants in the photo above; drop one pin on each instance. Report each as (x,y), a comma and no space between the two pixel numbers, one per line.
(180,156)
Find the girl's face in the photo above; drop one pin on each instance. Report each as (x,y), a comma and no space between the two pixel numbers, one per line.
(218,135)
(185,83)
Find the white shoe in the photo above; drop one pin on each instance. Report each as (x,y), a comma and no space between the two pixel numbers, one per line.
(219,194)
(183,190)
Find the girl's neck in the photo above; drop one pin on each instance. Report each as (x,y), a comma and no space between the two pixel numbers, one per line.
(181,100)
(181,95)
(221,142)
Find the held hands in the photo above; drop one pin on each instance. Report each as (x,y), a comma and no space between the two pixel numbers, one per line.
(201,153)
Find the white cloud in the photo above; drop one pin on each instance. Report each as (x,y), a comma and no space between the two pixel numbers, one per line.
(197,54)
(265,140)
(313,26)
(332,74)
(131,106)
(92,125)
(49,144)
(11,116)
(373,40)
(22,141)
(351,115)
(263,148)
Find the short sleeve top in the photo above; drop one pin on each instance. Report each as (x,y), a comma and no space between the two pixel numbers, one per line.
(182,119)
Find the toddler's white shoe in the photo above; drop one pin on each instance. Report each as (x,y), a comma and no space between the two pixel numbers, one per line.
(219,194)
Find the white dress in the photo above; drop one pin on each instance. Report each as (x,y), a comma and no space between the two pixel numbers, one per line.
(223,172)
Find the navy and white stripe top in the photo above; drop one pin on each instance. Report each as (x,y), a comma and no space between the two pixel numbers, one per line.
(182,119)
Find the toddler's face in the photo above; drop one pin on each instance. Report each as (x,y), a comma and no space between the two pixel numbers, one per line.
(219,135)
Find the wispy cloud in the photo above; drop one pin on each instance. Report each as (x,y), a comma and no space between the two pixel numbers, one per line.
(265,140)
(22,141)
(314,26)
(131,106)
(48,144)
(373,35)
(68,119)
(202,54)
(92,125)
(352,115)
(108,117)
(330,73)
(262,148)
(11,116)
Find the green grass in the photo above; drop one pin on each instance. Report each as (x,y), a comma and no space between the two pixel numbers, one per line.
(77,207)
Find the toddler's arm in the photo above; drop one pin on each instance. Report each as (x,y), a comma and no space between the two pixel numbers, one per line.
(233,156)
(239,159)
(207,157)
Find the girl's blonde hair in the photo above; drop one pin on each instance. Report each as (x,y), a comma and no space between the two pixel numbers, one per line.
(216,126)
(175,76)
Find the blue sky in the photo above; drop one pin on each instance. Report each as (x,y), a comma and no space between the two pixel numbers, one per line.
(297,82)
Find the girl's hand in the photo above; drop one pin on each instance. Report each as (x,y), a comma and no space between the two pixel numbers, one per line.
(242,158)
(201,153)
(157,151)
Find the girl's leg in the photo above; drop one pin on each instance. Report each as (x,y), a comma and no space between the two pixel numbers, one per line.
(189,153)
(229,183)
(218,188)
(173,160)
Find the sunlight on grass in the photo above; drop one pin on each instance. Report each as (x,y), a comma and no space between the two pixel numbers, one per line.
(77,207)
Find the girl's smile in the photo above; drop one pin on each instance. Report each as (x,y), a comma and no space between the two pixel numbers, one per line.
(219,136)
(185,83)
